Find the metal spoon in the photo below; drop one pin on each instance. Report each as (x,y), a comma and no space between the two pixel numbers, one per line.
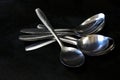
(69,56)
(90,25)
(97,27)
(92,45)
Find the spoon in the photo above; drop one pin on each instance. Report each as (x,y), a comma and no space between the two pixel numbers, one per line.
(69,56)
(97,22)
(43,35)
(90,25)
(92,45)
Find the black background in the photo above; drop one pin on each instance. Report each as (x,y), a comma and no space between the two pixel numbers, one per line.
(44,64)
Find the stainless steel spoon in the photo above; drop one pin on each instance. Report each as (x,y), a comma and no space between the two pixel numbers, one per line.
(90,25)
(45,35)
(69,56)
(92,45)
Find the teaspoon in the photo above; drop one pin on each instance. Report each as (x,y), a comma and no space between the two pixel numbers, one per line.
(69,56)
(45,35)
(90,25)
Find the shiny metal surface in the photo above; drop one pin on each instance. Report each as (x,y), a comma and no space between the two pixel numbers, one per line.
(69,56)
(83,32)
(42,30)
(38,45)
(36,37)
(92,45)
(89,26)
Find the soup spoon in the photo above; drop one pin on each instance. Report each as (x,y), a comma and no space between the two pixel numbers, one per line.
(69,56)
(90,25)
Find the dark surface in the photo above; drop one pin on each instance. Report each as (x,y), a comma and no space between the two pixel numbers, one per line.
(44,64)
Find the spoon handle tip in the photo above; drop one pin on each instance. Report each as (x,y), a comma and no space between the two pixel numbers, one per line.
(45,21)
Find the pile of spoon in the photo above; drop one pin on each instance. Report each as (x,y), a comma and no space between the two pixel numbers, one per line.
(88,42)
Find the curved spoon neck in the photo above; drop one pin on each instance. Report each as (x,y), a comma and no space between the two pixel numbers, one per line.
(50,28)
(62,48)
(61,44)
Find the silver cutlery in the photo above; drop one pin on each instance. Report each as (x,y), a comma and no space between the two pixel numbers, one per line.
(89,26)
(69,56)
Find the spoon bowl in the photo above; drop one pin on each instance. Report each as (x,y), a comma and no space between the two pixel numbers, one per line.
(71,57)
(91,25)
(92,45)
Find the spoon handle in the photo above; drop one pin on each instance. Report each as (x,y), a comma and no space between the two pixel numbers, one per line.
(43,31)
(36,37)
(40,45)
(45,21)
(40,26)
(70,38)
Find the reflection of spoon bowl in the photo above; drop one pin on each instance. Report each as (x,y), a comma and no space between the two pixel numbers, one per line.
(93,44)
